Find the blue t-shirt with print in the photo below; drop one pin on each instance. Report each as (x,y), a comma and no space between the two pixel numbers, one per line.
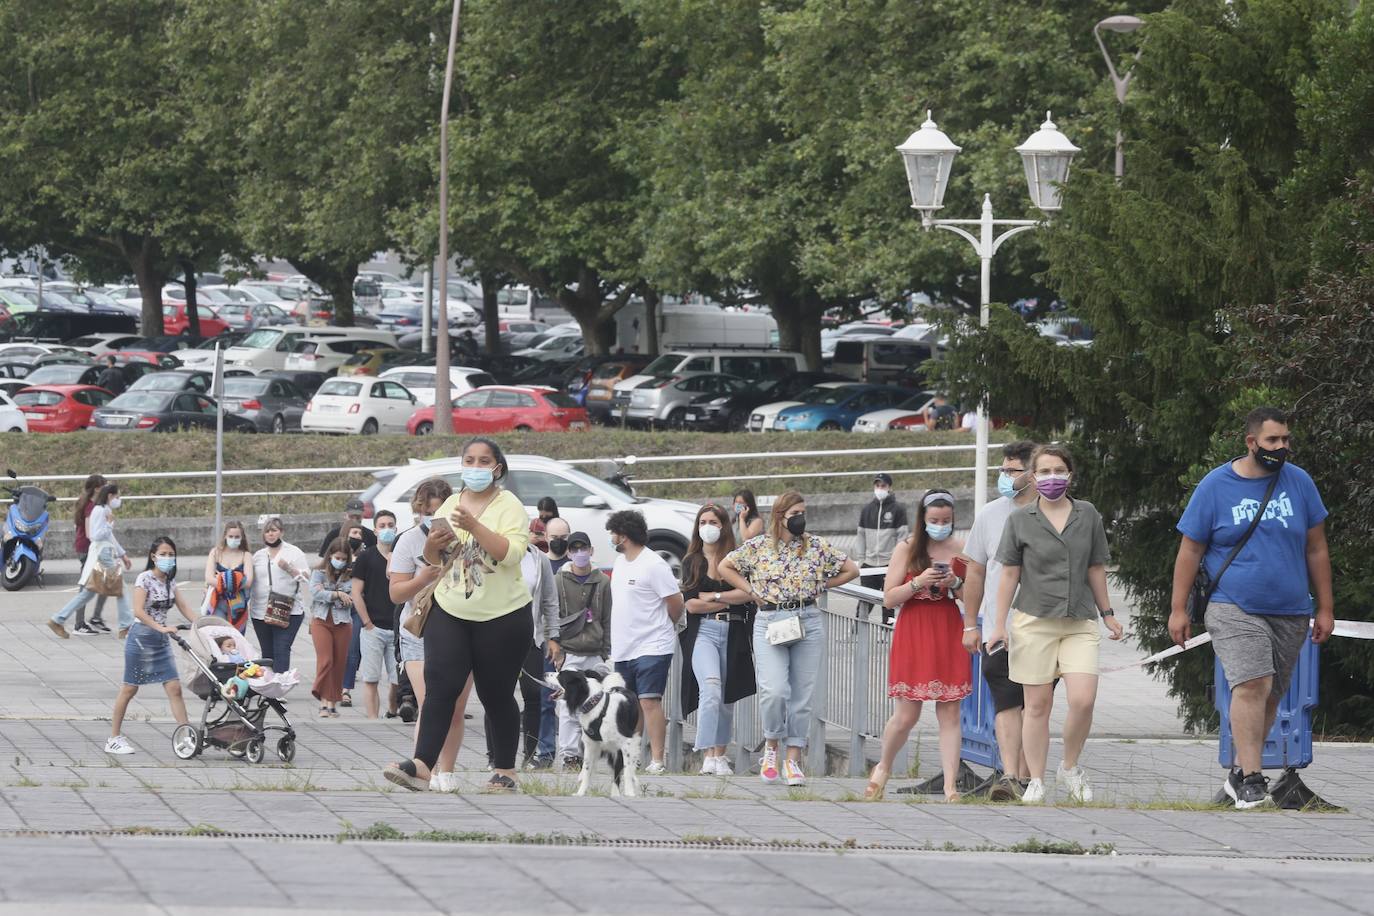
(1269,575)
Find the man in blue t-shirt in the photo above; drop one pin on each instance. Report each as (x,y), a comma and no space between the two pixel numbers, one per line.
(1259,612)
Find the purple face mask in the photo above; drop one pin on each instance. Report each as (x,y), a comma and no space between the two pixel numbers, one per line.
(1052,487)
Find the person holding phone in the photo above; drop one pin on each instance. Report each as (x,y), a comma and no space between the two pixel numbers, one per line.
(928,662)
(1055,551)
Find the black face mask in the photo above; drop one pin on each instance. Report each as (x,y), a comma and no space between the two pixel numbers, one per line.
(355,543)
(1271,459)
(796,525)
(558,546)
(619,546)
(271,541)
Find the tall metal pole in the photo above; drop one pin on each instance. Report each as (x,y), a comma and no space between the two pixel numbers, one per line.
(443,407)
(1119,82)
(985,244)
(217,390)
(426,323)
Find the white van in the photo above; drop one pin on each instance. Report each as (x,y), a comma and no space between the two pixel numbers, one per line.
(879,360)
(751,365)
(681,325)
(267,348)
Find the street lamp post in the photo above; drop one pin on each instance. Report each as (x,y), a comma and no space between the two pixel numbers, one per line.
(929,155)
(443,406)
(1121,83)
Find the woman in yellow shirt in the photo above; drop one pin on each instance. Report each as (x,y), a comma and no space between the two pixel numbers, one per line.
(480,623)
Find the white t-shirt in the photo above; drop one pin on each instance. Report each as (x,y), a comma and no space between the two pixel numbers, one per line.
(405,554)
(640,624)
(981,547)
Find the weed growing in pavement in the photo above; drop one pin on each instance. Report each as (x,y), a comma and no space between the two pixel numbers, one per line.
(205,830)
(1061,848)
(378,831)
(803,795)
(849,795)
(721,791)
(456,836)
(26,783)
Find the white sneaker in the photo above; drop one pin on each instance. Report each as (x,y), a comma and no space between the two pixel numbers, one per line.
(723,767)
(1076,782)
(793,771)
(1034,794)
(119,745)
(708,766)
(655,768)
(443,782)
(768,766)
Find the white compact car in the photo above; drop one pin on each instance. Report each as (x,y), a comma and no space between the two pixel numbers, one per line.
(583,500)
(12,418)
(419,381)
(761,418)
(357,404)
(879,421)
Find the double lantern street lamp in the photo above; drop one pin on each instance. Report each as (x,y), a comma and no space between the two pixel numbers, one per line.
(929,155)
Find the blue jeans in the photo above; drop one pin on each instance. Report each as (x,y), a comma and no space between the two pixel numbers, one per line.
(355,654)
(275,642)
(548,720)
(715,717)
(83,597)
(787,676)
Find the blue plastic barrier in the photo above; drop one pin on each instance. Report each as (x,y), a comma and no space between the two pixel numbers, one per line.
(1289,742)
(976,715)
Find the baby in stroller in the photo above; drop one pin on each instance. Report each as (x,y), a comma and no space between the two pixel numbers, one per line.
(243,696)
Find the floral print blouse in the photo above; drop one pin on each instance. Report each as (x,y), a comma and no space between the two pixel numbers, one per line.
(785,572)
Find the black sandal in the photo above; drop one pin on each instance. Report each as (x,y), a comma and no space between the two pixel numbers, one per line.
(500,783)
(404,775)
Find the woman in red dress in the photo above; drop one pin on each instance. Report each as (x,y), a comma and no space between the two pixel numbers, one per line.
(928,661)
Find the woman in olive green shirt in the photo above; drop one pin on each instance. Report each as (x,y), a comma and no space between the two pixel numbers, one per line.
(480,622)
(1055,550)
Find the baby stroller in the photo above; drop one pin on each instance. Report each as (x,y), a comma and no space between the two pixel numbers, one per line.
(237,701)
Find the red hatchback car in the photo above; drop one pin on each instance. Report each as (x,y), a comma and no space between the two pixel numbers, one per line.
(175,320)
(60,408)
(502,408)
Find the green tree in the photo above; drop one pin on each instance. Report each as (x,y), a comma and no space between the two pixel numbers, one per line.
(540,190)
(103,160)
(322,104)
(1198,225)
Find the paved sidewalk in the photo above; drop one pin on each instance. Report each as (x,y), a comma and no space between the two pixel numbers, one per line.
(131,876)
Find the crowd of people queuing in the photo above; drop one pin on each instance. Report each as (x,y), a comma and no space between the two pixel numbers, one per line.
(475,595)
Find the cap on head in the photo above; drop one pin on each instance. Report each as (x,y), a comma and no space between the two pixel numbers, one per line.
(579,539)
(883,478)
(353,507)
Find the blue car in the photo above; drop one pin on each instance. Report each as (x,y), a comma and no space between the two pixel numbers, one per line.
(838,408)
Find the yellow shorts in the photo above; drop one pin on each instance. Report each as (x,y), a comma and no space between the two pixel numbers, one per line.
(1043,648)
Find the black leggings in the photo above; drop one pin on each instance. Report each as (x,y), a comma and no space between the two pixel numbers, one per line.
(532,695)
(491,651)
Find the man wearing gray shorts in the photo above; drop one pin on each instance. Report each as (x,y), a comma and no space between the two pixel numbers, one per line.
(1261,606)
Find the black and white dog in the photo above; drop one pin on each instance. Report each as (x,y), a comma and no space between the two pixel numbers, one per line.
(609,716)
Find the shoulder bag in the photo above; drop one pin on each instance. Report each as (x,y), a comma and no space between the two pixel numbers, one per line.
(279,604)
(1205,585)
(107,581)
(424,601)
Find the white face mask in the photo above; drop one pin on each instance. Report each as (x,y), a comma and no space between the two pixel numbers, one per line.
(233,543)
(709,533)
(880,494)
(115,502)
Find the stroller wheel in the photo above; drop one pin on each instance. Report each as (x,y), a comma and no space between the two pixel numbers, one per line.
(186,742)
(254,752)
(286,749)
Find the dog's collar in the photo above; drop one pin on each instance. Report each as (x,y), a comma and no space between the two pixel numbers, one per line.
(591,702)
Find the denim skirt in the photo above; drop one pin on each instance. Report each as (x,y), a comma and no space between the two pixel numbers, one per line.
(148,657)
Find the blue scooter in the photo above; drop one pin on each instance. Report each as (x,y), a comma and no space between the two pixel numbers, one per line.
(21,545)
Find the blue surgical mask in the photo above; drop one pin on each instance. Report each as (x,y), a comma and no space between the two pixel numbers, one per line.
(477,479)
(1006,485)
(939,532)
(337,563)
(424,521)
(167,564)
(386,535)
(233,543)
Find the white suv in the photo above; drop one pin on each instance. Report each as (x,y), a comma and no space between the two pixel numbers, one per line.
(583,500)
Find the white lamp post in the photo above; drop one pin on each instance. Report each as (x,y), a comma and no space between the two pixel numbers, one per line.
(929,155)
(1120,82)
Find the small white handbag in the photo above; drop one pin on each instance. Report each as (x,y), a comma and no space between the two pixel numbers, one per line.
(785,631)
